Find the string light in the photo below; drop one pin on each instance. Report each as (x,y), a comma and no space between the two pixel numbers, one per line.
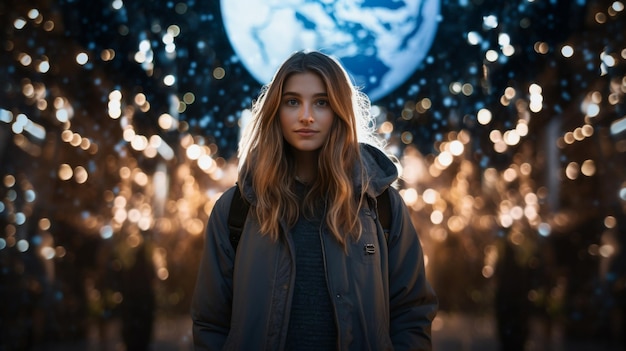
(133,137)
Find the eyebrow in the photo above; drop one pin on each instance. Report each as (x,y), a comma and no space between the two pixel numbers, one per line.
(292,93)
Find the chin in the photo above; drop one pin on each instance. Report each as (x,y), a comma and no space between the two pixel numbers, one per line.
(306,148)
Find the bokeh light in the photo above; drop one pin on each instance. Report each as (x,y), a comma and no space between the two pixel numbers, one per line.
(119,124)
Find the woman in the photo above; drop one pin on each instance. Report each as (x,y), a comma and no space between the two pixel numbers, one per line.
(313,269)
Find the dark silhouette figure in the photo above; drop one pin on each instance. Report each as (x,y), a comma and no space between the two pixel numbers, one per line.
(138,304)
(512,306)
(617,280)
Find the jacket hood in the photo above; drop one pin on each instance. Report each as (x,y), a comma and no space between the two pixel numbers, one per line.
(380,171)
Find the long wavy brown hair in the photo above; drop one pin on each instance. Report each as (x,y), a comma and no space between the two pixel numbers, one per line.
(266,160)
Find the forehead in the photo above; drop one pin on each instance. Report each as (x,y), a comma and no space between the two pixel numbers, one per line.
(304,83)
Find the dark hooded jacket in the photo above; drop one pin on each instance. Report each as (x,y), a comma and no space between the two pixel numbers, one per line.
(381,301)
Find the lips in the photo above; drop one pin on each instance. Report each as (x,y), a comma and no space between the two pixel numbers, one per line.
(306,132)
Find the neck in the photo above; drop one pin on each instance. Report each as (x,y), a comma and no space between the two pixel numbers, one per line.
(306,166)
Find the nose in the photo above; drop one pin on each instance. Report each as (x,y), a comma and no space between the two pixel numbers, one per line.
(306,115)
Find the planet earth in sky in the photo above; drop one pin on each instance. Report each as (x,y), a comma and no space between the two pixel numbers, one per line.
(380,42)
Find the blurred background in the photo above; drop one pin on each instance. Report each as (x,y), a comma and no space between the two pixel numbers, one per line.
(119,124)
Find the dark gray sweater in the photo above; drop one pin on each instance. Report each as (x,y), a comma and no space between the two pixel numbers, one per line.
(311,322)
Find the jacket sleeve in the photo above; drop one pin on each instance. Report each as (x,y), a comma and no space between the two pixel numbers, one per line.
(212,299)
(413,303)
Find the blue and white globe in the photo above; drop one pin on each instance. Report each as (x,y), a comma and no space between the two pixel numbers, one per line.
(380,42)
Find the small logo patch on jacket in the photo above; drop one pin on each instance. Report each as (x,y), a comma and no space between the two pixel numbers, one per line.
(370,249)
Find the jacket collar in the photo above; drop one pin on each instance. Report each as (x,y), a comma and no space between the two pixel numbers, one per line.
(380,172)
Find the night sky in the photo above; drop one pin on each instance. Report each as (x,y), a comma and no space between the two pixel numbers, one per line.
(512,136)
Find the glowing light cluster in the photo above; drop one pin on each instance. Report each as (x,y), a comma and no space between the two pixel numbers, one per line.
(141,162)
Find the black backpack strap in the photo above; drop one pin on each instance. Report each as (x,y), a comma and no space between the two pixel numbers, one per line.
(384,211)
(237,217)
(239,207)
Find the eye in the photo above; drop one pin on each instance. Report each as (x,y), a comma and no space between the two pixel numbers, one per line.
(291,102)
(322,103)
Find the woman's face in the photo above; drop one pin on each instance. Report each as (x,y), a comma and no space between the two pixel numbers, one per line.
(306,116)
